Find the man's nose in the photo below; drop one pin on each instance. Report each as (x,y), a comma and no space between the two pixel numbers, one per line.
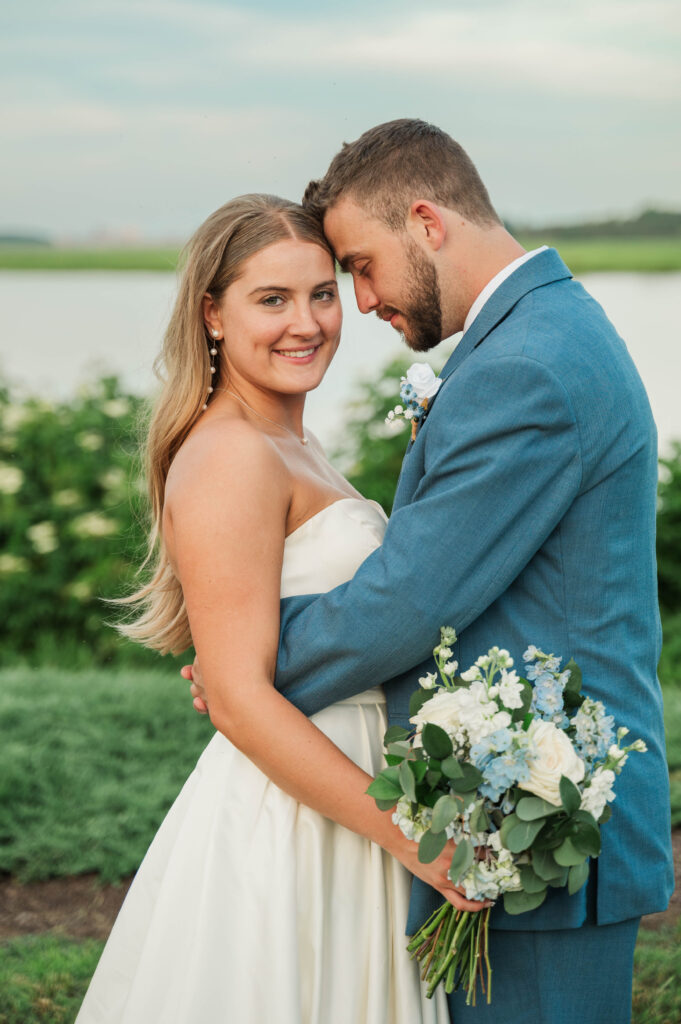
(365,297)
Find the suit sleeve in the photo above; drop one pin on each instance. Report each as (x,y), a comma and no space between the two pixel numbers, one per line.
(502,466)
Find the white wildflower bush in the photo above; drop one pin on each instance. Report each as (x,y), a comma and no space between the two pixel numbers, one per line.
(72,524)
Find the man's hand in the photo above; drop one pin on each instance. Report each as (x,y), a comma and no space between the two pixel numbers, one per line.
(193,673)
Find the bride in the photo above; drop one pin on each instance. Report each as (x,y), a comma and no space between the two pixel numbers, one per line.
(275,890)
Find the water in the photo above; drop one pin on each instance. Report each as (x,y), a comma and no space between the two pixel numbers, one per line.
(61,329)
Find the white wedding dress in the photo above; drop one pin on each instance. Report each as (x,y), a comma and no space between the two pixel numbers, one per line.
(250,908)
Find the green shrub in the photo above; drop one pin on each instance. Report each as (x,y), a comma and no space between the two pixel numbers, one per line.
(89,764)
(669,531)
(71,529)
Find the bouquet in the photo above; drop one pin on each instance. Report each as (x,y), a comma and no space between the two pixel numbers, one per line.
(519,772)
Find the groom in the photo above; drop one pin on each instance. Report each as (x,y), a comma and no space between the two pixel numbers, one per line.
(524,513)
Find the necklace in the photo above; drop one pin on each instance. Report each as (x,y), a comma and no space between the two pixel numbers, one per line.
(302,440)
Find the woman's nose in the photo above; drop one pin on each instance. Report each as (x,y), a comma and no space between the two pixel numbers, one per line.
(304,323)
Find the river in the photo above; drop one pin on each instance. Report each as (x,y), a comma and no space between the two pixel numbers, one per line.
(60,329)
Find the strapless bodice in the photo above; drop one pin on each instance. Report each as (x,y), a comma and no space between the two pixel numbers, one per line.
(328,548)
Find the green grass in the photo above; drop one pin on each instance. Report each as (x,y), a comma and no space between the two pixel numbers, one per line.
(672,717)
(632,254)
(89,764)
(657,977)
(45,258)
(43,978)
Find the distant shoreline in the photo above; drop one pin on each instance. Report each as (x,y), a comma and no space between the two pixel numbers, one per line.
(646,255)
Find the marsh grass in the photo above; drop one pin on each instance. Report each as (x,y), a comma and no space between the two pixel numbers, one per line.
(583,256)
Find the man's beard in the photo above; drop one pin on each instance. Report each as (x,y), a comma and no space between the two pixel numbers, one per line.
(422,311)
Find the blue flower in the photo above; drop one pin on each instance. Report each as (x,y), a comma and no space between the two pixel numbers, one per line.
(502,772)
(547,697)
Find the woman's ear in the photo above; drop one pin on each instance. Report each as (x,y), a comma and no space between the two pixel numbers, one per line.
(211,316)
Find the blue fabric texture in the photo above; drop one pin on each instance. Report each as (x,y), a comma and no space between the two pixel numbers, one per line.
(524,513)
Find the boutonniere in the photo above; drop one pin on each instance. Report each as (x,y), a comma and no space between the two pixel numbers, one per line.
(416,390)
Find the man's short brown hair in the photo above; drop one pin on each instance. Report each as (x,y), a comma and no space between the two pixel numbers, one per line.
(390,165)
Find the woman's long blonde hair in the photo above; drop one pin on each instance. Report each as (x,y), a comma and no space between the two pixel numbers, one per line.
(212,260)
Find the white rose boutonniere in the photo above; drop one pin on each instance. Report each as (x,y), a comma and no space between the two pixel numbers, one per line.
(417,389)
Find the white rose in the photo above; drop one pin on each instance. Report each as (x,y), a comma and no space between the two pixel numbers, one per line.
(444,709)
(422,378)
(555,757)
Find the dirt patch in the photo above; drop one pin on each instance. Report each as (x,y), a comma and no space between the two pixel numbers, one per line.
(78,906)
(85,909)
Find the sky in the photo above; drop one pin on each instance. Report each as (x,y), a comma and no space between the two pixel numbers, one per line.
(139,117)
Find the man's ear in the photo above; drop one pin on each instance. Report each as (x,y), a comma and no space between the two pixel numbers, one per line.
(426,224)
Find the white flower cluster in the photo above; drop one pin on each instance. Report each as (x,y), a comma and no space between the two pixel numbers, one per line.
(487,879)
(412,823)
(598,792)
(466,714)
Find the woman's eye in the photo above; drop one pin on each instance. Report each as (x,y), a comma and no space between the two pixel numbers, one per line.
(272,300)
(325,295)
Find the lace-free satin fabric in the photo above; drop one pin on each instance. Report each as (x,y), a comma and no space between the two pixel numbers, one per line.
(251,908)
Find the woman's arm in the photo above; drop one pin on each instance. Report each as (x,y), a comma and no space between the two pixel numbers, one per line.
(226,510)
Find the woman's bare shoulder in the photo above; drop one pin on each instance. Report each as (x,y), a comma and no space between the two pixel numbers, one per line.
(225,452)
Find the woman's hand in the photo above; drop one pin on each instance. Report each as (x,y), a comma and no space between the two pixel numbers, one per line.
(435,873)
(192,673)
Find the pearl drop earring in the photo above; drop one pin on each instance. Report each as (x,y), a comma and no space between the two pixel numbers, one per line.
(213,369)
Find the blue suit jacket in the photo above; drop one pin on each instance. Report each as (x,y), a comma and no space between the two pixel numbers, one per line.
(524,513)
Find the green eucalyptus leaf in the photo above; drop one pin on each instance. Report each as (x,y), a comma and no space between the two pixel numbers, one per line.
(444,812)
(561,881)
(395,734)
(399,748)
(451,768)
(436,742)
(606,815)
(568,855)
(586,839)
(420,770)
(407,781)
(532,807)
(431,846)
(572,695)
(522,835)
(520,902)
(385,805)
(509,822)
(569,794)
(531,881)
(384,788)
(479,819)
(462,860)
(544,864)
(470,779)
(577,876)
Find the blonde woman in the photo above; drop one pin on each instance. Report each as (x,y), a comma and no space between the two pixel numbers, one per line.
(273,890)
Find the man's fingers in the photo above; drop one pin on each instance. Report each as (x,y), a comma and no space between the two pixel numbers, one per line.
(200,706)
(186,672)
